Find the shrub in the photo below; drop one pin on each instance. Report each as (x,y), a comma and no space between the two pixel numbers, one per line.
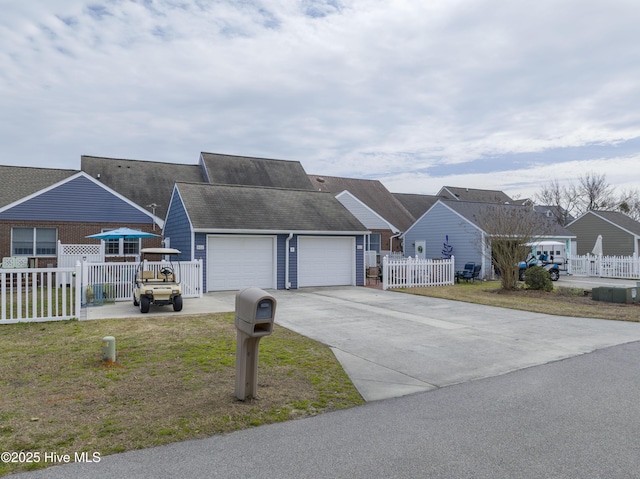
(538,278)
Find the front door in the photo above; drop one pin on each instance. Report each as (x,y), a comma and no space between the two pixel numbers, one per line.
(421,249)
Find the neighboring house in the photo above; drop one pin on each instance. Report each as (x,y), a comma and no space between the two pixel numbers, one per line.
(475,195)
(266,237)
(558,213)
(243,170)
(416,204)
(40,207)
(147,183)
(458,225)
(620,233)
(374,206)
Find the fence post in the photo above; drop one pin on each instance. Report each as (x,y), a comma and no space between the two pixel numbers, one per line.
(385,273)
(78,284)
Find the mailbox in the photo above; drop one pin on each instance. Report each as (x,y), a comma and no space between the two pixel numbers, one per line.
(255,313)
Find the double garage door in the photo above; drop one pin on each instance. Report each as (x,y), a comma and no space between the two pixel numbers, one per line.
(236,262)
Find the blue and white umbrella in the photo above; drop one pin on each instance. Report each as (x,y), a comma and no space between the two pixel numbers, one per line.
(124,232)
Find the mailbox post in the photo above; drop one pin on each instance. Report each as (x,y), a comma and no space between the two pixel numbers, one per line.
(255,313)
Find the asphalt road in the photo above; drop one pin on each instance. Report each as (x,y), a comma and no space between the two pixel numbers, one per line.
(576,418)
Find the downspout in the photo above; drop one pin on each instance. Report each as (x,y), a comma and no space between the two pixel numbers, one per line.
(287,283)
(391,241)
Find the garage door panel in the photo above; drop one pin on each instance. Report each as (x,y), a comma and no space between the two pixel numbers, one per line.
(326,261)
(234,263)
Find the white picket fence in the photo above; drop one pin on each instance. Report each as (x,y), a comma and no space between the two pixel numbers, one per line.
(39,294)
(416,273)
(105,282)
(625,267)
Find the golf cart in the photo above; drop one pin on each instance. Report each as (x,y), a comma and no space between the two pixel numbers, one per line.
(158,284)
(541,260)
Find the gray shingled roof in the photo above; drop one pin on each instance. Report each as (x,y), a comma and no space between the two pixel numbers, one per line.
(472,194)
(372,193)
(143,182)
(231,207)
(417,205)
(242,170)
(620,219)
(474,212)
(19,181)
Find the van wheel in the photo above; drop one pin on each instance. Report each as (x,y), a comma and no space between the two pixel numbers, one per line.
(144,304)
(177,303)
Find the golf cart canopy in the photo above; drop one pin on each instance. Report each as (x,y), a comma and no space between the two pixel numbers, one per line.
(159,251)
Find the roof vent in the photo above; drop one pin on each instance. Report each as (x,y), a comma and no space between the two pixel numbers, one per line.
(320,179)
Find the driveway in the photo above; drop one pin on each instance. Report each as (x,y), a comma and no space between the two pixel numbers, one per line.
(393,344)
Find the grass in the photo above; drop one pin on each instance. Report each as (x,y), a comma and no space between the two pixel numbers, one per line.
(561,301)
(173,379)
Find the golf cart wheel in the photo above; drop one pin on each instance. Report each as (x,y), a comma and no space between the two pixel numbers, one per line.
(521,275)
(135,301)
(144,304)
(555,274)
(177,303)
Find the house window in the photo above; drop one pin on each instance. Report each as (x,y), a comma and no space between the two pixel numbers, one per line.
(122,247)
(33,241)
(375,240)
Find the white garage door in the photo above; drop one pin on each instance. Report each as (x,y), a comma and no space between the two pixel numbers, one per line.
(237,262)
(326,261)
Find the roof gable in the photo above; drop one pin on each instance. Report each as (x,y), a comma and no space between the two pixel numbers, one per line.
(247,171)
(372,193)
(20,182)
(79,198)
(615,218)
(149,184)
(246,208)
(365,215)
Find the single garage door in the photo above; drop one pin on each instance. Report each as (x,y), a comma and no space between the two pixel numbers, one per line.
(237,262)
(326,261)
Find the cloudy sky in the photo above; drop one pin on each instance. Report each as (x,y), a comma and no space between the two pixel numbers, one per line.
(419,94)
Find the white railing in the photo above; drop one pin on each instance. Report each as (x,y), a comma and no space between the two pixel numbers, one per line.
(625,267)
(39,294)
(114,281)
(416,273)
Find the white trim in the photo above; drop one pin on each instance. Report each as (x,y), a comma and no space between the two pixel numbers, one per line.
(347,192)
(278,232)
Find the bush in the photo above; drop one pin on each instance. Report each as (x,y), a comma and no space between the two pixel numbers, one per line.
(538,278)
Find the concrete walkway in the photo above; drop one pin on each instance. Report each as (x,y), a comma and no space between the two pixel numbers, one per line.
(393,344)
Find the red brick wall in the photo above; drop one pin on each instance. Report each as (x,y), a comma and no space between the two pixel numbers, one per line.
(72,233)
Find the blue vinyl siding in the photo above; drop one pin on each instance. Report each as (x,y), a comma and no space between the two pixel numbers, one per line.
(178,229)
(201,240)
(360,272)
(433,228)
(78,200)
(293,262)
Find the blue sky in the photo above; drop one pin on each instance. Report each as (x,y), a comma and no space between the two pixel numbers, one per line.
(480,94)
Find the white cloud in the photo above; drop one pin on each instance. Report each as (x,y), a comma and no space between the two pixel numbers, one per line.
(368,88)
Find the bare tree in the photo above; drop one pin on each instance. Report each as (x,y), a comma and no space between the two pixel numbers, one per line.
(562,200)
(629,203)
(508,230)
(594,193)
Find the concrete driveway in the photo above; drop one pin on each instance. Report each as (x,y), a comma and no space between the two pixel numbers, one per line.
(393,344)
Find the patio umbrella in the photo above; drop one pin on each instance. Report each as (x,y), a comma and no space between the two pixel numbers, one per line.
(124,233)
(597,248)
